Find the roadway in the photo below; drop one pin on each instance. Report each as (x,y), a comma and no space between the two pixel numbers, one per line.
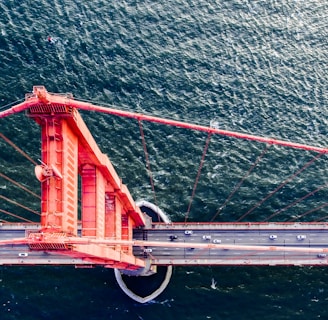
(22,255)
(229,240)
(296,235)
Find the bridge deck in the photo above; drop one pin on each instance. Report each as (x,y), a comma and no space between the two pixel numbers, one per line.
(281,235)
(183,242)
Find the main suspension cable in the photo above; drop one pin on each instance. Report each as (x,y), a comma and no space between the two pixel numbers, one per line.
(281,185)
(198,174)
(11,103)
(295,202)
(241,181)
(41,96)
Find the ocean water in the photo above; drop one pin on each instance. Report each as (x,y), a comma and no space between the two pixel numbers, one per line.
(257,67)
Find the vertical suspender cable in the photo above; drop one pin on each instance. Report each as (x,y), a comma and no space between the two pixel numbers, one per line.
(19,185)
(310,211)
(19,205)
(15,215)
(147,160)
(16,183)
(325,217)
(26,156)
(295,202)
(18,149)
(198,174)
(241,181)
(281,185)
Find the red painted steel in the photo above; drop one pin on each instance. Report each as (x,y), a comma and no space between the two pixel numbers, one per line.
(41,98)
(108,212)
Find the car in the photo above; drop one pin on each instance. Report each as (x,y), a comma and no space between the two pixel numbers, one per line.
(188,232)
(301,237)
(321,255)
(23,254)
(273,237)
(173,237)
(206,237)
(216,241)
(148,250)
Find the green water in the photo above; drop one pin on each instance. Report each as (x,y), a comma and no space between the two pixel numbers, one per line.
(255,66)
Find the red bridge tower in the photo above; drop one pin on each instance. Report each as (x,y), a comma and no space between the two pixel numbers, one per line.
(68,150)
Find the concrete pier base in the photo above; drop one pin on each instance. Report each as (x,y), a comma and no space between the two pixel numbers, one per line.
(131,287)
(146,284)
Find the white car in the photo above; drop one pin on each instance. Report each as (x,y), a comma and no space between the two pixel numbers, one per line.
(188,232)
(301,237)
(321,255)
(216,241)
(206,237)
(273,237)
(148,250)
(23,254)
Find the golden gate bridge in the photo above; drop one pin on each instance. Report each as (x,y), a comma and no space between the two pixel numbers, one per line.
(88,217)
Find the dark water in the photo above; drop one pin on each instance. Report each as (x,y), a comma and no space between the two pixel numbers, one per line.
(254,66)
